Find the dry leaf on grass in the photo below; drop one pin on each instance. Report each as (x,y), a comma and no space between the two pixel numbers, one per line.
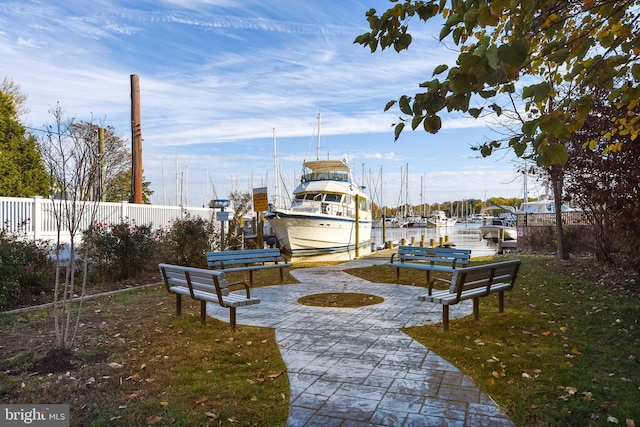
(154,419)
(276,374)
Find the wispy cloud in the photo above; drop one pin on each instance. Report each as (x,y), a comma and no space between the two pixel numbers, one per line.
(217,78)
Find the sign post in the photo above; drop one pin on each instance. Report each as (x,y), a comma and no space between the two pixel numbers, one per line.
(260,204)
(221,216)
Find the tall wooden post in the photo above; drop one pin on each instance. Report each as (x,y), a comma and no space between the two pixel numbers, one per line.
(102,164)
(136,142)
(357,226)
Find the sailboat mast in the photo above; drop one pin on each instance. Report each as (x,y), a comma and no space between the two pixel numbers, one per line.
(276,176)
(318,146)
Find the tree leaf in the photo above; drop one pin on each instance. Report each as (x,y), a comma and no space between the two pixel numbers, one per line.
(432,124)
(398,130)
(440,68)
(405,105)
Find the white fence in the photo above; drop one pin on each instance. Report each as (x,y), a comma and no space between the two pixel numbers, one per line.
(34,217)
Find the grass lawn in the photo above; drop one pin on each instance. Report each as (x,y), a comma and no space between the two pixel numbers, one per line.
(565,352)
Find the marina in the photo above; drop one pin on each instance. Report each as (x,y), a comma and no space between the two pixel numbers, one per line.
(462,235)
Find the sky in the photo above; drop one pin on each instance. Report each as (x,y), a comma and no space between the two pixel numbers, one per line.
(228,86)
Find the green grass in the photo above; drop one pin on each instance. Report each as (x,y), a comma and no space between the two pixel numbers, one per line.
(564,352)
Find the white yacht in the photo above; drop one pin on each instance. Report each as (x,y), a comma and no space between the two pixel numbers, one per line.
(329,213)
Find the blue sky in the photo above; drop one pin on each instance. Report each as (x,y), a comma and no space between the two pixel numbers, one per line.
(218,76)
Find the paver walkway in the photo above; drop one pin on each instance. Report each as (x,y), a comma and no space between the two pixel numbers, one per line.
(354,367)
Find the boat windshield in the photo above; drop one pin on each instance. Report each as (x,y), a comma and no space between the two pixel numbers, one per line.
(326,176)
(333,198)
(309,196)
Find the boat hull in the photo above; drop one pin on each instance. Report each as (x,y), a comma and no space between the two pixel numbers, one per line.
(307,234)
(495,233)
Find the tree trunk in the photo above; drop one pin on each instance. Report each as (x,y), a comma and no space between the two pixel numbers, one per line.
(555,173)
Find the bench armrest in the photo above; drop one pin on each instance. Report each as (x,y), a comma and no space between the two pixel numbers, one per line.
(246,287)
(431,282)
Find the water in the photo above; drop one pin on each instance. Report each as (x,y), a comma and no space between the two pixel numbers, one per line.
(463,236)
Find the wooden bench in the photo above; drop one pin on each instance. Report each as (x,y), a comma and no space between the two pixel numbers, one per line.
(443,260)
(206,286)
(474,283)
(248,260)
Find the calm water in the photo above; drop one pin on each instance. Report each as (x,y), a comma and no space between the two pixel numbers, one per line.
(464,236)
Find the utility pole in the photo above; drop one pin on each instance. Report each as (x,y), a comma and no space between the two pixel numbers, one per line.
(102,165)
(136,142)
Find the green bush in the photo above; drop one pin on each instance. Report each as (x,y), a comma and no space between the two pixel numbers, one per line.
(187,241)
(118,251)
(26,267)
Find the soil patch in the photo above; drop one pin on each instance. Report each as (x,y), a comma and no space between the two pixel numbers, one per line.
(340,300)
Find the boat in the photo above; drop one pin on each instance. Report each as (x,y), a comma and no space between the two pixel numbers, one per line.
(440,219)
(480,218)
(327,207)
(500,229)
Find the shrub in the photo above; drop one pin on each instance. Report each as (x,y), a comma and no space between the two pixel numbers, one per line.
(118,251)
(187,241)
(26,267)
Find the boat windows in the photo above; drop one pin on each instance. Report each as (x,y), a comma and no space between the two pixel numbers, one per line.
(326,176)
(333,198)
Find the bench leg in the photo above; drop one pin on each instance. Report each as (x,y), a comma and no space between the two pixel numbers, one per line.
(397,273)
(281,275)
(232,318)
(203,312)
(251,278)
(476,309)
(445,317)
(178,305)
(500,301)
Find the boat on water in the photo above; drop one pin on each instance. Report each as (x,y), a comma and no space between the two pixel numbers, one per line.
(500,229)
(329,212)
(440,219)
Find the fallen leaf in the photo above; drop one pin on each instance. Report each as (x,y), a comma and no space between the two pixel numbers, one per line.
(525,375)
(211,415)
(490,381)
(588,396)
(575,351)
(546,333)
(115,365)
(276,374)
(164,403)
(495,374)
(154,419)
(612,420)
(201,400)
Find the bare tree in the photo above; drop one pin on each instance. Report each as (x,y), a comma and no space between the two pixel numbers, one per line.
(70,160)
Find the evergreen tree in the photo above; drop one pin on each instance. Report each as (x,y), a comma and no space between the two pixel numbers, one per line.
(22,172)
